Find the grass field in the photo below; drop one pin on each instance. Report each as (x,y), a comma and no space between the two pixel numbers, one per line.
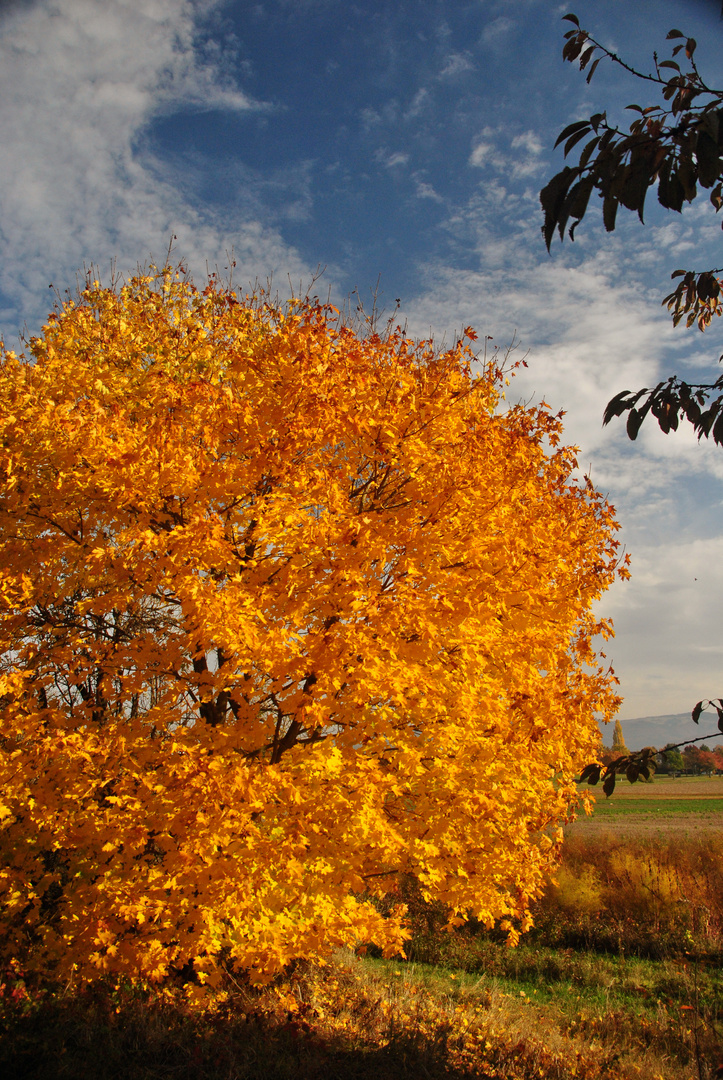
(670,806)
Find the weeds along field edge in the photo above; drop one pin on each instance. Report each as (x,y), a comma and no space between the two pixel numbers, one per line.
(640,895)
(646,896)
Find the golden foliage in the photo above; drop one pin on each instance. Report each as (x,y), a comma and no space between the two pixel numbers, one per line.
(284,611)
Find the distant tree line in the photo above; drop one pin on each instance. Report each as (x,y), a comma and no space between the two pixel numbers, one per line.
(691,759)
(672,759)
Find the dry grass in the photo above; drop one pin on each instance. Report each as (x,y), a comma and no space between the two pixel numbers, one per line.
(638,895)
(352,1020)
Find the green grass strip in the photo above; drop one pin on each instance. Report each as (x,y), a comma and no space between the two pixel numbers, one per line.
(657,807)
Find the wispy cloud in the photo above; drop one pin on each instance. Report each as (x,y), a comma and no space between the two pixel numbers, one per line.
(391,159)
(497,29)
(484,154)
(456,64)
(424,190)
(521,159)
(419,103)
(80,83)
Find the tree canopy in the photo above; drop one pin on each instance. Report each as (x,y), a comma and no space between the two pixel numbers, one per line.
(286,610)
(676,146)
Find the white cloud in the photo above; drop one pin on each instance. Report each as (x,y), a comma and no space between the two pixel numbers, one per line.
(497,29)
(456,64)
(391,159)
(423,190)
(528,141)
(420,102)
(526,150)
(483,153)
(523,159)
(80,81)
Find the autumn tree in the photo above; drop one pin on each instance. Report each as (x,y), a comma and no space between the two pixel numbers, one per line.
(676,147)
(694,759)
(618,746)
(707,759)
(286,611)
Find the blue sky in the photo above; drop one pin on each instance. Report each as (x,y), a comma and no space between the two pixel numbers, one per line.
(402,142)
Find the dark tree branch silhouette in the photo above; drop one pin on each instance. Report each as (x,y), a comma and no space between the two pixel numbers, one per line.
(678,147)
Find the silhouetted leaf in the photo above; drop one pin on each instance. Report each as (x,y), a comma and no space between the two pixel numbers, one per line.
(591,773)
(709,164)
(552,198)
(610,209)
(697,711)
(578,198)
(708,418)
(634,189)
(574,139)
(573,47)
(609,785)
(616,406)
(718,430)
(687,176)
(591,72)
(587,152)
(670,189)
(585,58)
(690,407)
(665,410)
(633,425)
(579,125)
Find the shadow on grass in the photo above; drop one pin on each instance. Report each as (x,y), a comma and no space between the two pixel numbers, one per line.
(87,1039)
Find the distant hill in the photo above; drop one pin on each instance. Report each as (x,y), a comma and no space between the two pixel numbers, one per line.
(659,730)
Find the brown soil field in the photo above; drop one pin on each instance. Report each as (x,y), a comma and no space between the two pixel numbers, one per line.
(668,787)
(642,825)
